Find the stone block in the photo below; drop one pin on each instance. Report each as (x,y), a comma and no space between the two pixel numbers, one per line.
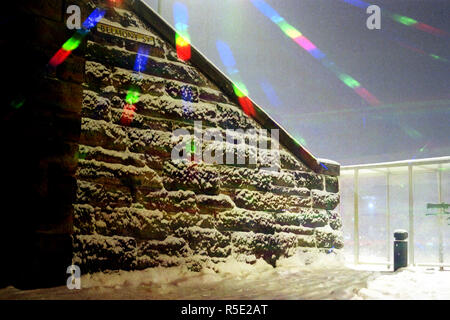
(200,178)
(324,200)
(97,253)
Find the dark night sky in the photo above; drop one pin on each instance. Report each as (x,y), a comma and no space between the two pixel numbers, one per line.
(310,101)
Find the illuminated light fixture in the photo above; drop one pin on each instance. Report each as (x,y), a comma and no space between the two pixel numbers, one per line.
(238,87)
(312,49)
(74,42)
(182,38)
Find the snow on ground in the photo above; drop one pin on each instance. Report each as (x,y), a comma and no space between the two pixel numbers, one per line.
(292,279)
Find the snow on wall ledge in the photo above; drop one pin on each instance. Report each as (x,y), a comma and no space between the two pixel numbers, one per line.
(136,208)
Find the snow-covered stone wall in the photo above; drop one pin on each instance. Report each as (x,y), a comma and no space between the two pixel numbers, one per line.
(136,208)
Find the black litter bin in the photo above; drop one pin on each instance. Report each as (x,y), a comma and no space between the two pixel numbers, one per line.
(400,249)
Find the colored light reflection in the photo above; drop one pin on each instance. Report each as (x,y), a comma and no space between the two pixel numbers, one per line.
(94,18)
(17,103)
(270,93)
(403,20)
(239,88)
(226,55)
(132,96)
(141,59)
(75,41)
(405,44)
(312,49)
(349,81)
(407,21)
(127,114)
(133,93)
(190,147)
(182,38)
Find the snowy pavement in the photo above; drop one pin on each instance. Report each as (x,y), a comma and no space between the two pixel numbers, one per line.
(235,280)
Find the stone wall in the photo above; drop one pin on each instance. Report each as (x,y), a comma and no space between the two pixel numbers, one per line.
(136,208)
(83,186)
